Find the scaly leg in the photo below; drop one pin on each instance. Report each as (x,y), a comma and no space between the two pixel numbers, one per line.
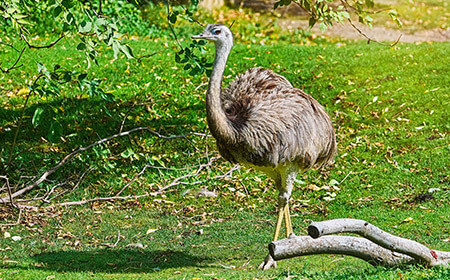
(269,262)
(284,185)
(288,223)
(281,211)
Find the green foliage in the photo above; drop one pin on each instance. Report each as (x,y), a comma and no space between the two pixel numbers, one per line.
(192,62)
(94,26)
(325,14)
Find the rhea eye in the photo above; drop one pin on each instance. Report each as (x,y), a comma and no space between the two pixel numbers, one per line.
(216,31)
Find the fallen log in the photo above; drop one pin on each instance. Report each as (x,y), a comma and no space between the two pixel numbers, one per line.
(296,246)
(380,247)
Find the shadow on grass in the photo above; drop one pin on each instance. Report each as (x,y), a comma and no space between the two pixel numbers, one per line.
(121,260)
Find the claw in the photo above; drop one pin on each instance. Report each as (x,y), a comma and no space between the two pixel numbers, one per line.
(268,263)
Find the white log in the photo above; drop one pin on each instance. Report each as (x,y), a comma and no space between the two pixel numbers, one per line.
(419,252)
(362,248)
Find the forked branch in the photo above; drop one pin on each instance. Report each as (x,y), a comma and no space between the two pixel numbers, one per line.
(71,155)
(376,247)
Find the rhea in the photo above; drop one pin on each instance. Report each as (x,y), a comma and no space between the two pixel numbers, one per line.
(263,122)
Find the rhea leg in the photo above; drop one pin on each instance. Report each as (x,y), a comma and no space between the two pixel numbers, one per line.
(283,211)
(288,222)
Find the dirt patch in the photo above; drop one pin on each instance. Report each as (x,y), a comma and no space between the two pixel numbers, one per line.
(378,33)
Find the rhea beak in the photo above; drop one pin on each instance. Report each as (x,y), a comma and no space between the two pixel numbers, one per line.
(203,36)
(198,37)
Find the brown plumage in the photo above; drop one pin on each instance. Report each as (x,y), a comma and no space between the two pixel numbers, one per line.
(262,121)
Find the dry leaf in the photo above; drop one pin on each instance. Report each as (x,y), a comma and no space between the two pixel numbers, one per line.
(136,246)
(408,220)
(151,230)
(16,238)
(205,193)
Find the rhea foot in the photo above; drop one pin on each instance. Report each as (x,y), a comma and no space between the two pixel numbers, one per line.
(268,263)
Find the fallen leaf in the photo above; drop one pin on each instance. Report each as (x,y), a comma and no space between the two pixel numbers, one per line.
(136,246)
(313,187)
(408,220)
(205,193)
(151,230)
(334,182)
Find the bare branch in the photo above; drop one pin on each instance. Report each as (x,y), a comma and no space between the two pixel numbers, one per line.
(175,182)
(81,179)
(296,246)
(8,187)
(405,246)
(6,70)
(133,179)
(81,202)
(71,155)
(9,45)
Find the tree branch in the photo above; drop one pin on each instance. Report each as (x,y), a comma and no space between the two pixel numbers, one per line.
(6,70)
(170,25)
(346,6)
(8,187)
(177,181)
(358,247)
(71,155)
(30,46)
(19,124)
(380,248)
(398,244)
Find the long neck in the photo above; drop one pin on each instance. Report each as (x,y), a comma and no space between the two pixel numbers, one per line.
(218,122)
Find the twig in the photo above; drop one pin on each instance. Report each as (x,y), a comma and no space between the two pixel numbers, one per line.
(81,179)
(6,70)
(71,155)
(133,179)
(125,118)
(139,59)
(175,182)
(346,6)
(9,45)
(8,187)
(30,46)
(170,25)
(100,12)
(118,238)
(372,39)
(303,8)
(115,244)
(19,124)
(345,177)
(81,202)
(46,199)
(199,86)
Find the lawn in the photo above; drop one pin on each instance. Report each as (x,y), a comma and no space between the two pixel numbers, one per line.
(389,106)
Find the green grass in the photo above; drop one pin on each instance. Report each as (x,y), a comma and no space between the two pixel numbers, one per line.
(390,110)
